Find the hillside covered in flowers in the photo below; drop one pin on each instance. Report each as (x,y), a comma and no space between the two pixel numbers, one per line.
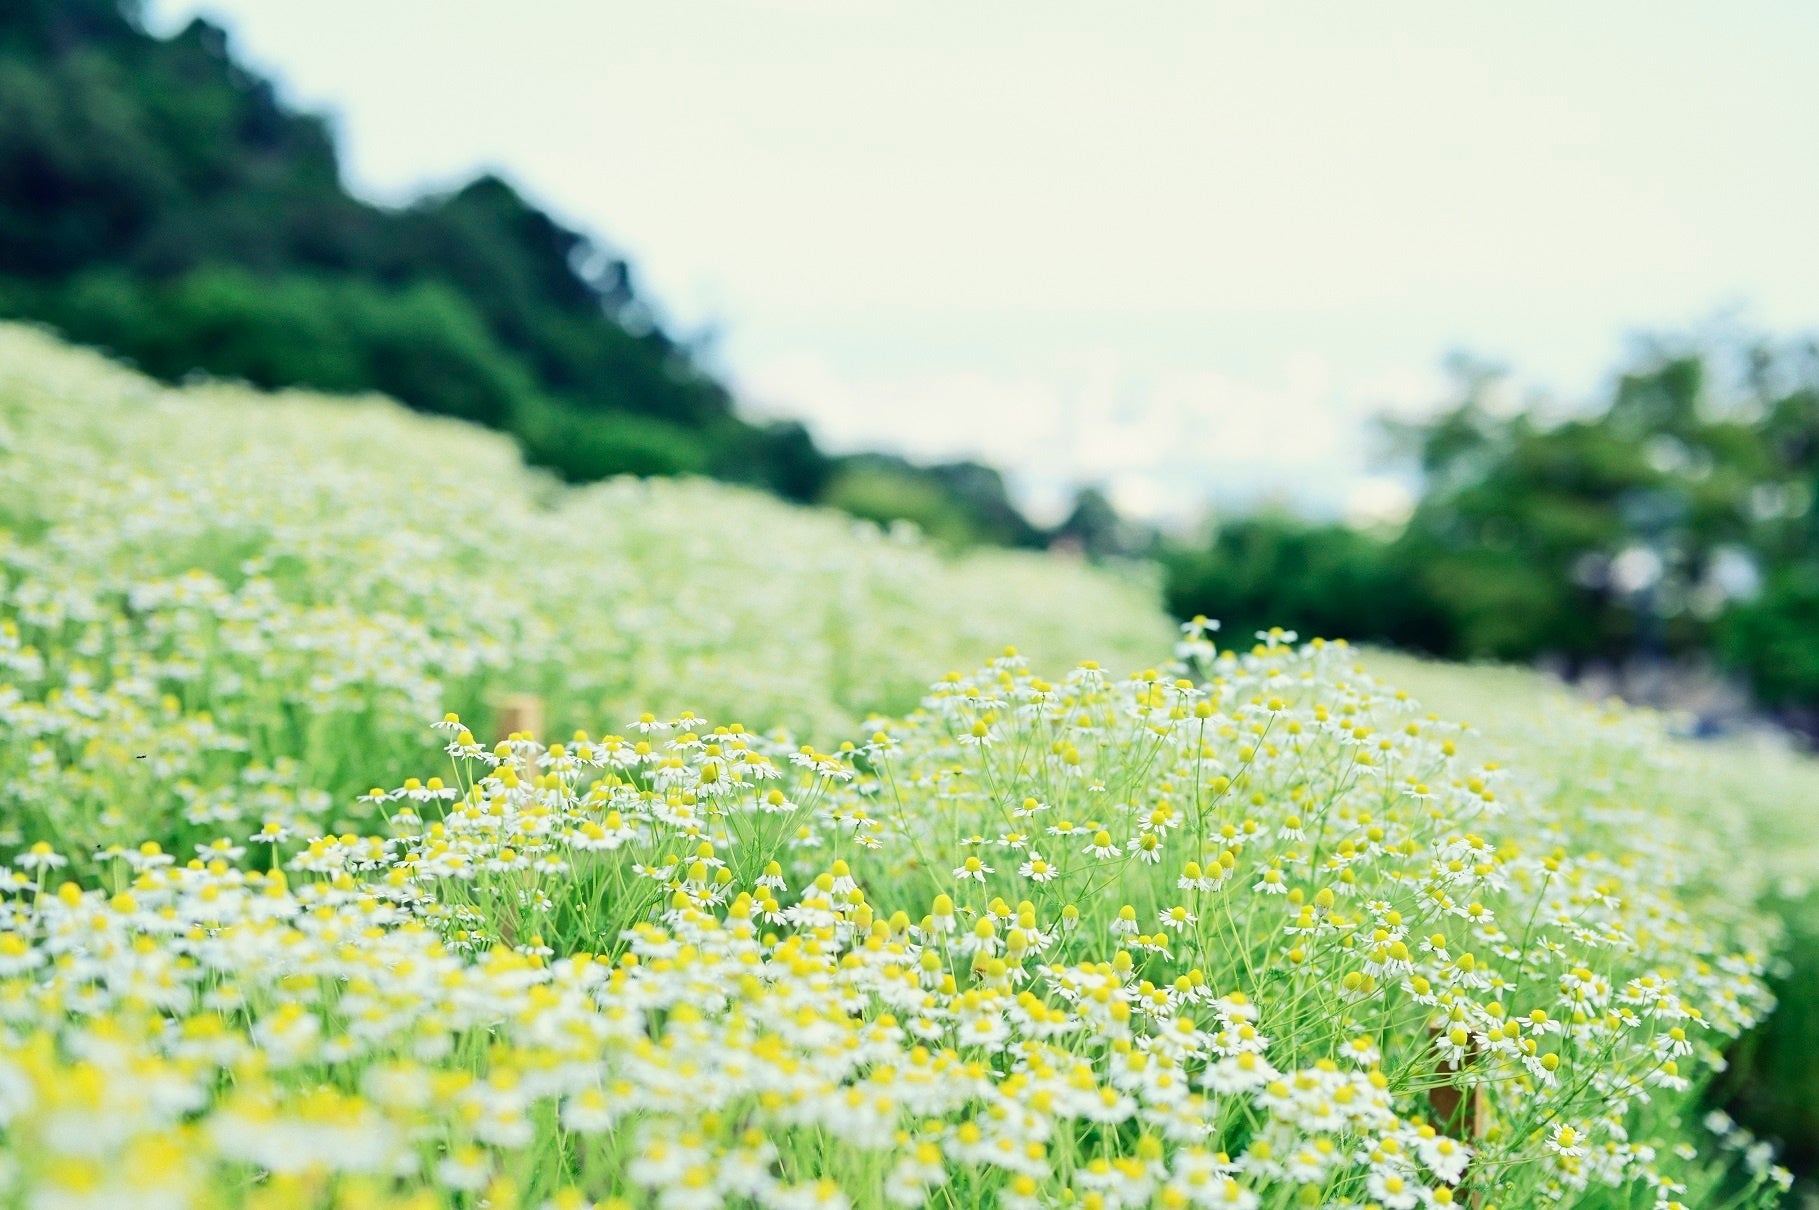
(780,910)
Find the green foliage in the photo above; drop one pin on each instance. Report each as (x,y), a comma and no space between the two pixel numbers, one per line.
(1775,1085)
(886,495)
(1775,640)
(1641,530)
(780,457)
(581,447)
(141,176)
(960,503)
(1318,579)
(1675,520)
(421,344)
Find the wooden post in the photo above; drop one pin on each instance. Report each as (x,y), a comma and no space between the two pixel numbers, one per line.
(1462,1112)
(521,712)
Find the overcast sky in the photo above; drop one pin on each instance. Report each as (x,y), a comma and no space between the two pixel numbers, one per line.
(1183,250)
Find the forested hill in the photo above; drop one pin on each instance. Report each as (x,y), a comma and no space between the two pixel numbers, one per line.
(160,200)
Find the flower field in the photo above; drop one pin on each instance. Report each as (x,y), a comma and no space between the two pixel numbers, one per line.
(780,911)
(266,597)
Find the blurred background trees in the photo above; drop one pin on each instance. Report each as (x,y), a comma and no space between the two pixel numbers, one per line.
(1672,523)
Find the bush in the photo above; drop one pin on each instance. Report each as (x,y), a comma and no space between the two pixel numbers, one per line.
(585,446)
(885,496)
(1774,640)
(422,345)
(1317,579)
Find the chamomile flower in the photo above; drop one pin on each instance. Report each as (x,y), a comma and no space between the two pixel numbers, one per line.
(40,857)
(974,869)
(1177,918)
(1566,1141)
(1038,869)
(1102,846)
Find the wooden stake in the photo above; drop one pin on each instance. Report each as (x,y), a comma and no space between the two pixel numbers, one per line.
(1462,1112)
(521,712)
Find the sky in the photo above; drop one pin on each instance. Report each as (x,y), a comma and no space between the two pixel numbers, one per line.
(1181,251)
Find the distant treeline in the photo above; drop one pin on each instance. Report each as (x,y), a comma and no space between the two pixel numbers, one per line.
(1676,521)
(158,199)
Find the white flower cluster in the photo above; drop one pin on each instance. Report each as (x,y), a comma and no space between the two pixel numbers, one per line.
(1292,943)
